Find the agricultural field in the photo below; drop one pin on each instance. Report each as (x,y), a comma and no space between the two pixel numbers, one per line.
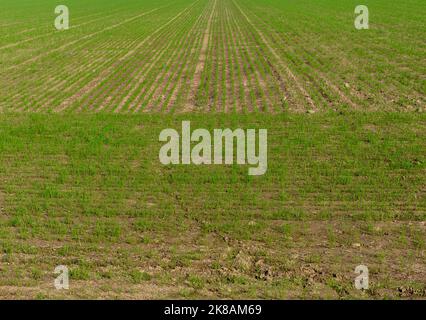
(81,183)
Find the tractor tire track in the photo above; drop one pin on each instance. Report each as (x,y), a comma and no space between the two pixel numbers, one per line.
(88,36)
(201,62)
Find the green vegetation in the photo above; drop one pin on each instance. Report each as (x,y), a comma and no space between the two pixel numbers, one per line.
(81,184)
(89,192)
(212,55)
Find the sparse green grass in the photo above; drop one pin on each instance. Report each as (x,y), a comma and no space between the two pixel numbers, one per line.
(346,169)
(89,192)
(261,55)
